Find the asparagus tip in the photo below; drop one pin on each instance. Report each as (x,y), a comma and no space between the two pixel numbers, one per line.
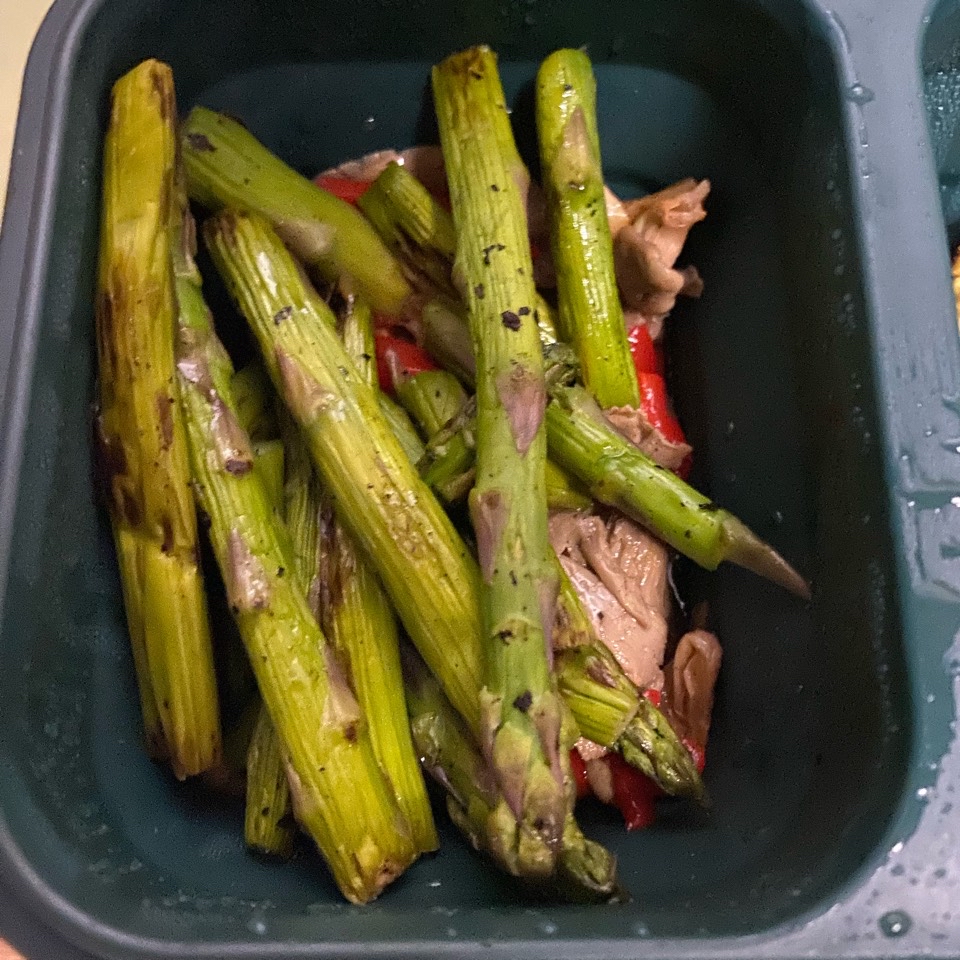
(747,550)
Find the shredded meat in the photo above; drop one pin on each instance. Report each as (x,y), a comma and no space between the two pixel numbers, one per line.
(639,431)
(646,250)
(621,574)
(689,680)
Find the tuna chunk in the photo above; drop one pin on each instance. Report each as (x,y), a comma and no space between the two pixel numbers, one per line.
(639,431)
(689,680)
(646,249)
(620,572)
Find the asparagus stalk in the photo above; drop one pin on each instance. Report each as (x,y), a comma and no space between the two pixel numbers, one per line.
(433,398)
(619,474)
(591,316)
(268,822)
(358,619)
(414,227)
(339,794)
(521,710)
(228,167)
(253,395)
(422,235)
(586,871)
(142,447)
(392,515)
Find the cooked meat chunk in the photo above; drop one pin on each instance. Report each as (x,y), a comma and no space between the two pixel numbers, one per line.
(689,680)
(621,574)
(638,430)
(646,250)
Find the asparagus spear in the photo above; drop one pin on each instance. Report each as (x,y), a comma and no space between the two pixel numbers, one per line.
(521,710)
(414,226)
(389,510)
(142,447)
(227,166)
(586,871)
(422,235)
(619,474)
(339,794)
(268,822)
(358,619)
(591,316)
(253,396)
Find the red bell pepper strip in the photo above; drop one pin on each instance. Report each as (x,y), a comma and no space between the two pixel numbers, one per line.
(342,187)
(398,357)
(579,770)
(647,356)
(634,794)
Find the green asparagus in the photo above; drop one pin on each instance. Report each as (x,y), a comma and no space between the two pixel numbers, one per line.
(339,794)
(142,449)
(521,709)
(228,167)
(391,513)
(586,871)
(268,822)
(591,316)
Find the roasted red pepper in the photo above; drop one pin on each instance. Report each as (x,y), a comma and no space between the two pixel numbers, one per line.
(656,408)
(398,357)
(579,770)
(647,356)
(634,794)
(342,187)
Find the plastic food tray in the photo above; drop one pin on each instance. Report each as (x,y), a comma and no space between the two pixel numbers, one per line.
(818,379)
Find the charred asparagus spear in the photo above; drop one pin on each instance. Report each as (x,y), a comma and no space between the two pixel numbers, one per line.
(521,711)
(391,513)
(357,617)
(586,871)
(227,166)
(142,448)
(268,821)
(591,317)
(339,794)
(617,473)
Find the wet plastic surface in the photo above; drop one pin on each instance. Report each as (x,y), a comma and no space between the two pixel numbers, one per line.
(818,378)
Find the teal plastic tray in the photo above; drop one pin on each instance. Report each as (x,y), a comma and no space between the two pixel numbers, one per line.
(818,379)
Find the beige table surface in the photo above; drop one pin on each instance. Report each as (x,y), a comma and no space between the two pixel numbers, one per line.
(19,21)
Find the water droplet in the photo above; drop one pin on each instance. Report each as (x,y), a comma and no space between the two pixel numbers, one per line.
(257,923)
(778,516)
(548,928)
(641,930)
(731,426)
(922,793)
(860,94)
(836,233)
(895,923)
(529,20)
(451,932)
(838,270)
(369,123)
(434,883)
